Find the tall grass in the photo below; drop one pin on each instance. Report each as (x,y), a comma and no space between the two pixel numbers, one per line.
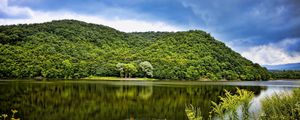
(282,107)
(275,107)
(227,108)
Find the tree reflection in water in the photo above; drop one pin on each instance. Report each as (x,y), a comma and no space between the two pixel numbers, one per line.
(102,101)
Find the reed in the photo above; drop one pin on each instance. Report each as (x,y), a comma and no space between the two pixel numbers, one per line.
(279,106)
(275,107)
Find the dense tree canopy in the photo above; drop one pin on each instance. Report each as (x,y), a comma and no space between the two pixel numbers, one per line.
(147,68)
(73,49)
(285,74)
(126,70)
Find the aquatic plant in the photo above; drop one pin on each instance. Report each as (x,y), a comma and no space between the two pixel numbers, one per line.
(278,106)
(193,113)
(14,112)
(4,116)
(228,107)
(275,107)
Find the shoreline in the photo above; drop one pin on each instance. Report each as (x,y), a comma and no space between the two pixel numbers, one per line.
(95,78)
(99,78)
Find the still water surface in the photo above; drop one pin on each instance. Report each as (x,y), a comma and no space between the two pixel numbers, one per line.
(82,100)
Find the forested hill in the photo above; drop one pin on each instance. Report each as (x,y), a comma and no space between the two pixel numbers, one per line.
(74,49)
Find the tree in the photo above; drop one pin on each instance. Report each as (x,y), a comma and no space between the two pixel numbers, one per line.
(147,68)
(129,69)
(120,68)
(73,49)
(126,70)
(68,69)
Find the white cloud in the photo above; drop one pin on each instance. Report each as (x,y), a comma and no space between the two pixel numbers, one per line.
(14,10)
(273,54)
(126,25)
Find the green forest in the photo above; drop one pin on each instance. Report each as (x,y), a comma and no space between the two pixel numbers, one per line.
(70,49)
(285,74)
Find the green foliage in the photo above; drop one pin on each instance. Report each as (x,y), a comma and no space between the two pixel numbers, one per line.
(147,68)
(98,78)
(73,49)
(193,113)
(285,74)
(120,68)
(275,107)
(227,108)
(230,103)
(282,107)
(129,69)
(126,70)
(12,117)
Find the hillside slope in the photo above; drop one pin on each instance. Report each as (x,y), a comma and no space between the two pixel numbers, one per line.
(74,49)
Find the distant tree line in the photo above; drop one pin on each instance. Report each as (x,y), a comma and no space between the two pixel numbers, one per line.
(72,49)
(285,74)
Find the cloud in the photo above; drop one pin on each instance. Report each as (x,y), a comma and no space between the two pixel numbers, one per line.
(274,53)
(266,20)
(35,16)
(14,11)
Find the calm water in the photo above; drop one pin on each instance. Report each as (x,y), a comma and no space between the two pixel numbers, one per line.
(123,99)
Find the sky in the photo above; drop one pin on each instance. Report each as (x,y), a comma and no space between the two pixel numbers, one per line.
(264,31)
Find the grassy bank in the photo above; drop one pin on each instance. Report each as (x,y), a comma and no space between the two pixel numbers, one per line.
(115,78)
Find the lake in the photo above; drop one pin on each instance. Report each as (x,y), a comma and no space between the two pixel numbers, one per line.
(116,100)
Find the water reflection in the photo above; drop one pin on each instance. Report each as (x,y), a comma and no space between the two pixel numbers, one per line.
(255,107)
(76,100)
(134,92)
